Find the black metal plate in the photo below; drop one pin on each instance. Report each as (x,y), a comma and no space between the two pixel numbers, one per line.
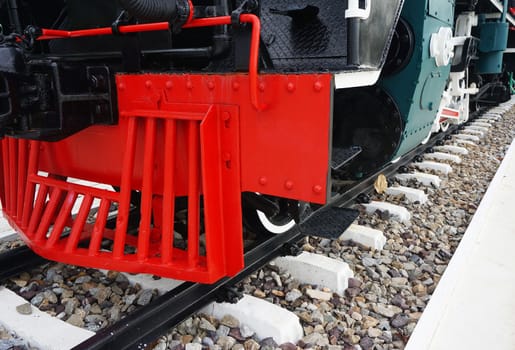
(341,156)
(318,44)
(329,222)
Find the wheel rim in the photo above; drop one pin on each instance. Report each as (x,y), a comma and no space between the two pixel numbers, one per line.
(275,226)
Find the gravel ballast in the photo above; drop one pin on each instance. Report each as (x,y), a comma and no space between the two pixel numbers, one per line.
(379,310)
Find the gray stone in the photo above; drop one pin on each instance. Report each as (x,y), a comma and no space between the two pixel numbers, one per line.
(399,320)
(368,262)
(70,306)
(251,344)
(386,310)
(293,295)
(226,342)
(94,319)
(145,297)
(50,296)
(76,320)
(83,279)
(193,346)
(230,321)
(366,343)
(24,309)
(223,330)
(207,341)
(268,343)
(38,299)
(316,339)
(206,325)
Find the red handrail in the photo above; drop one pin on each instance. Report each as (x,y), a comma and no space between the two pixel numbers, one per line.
(50,34)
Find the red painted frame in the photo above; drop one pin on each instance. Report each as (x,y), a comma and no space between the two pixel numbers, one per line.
(178,135)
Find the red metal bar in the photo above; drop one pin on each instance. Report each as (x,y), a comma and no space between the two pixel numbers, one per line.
(147,190)
(98,229)
(7,171)
(168,192)
(67,186)
(125,191)
(22,175)
(78,226)
(48,215)
(31,186)
(38,208)
(2,183)
(193,192)
(13,155)
(62,218)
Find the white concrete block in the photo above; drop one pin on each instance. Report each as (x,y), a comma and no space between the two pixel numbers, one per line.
(465,142)
(317,269)
(470,131)
(484,125)
(435,166)
(491,116)
(482,129)
(423,178)
(264,318)
(497,111)
(452,149)
(486,121)
(396,211)
(39,329)
(6,231)
(443,157)
(466,137)
(365,236)
(411,194)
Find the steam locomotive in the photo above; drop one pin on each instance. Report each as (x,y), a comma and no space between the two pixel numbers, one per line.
(202,117)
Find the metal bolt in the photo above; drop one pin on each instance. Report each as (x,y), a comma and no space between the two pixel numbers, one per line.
(235,86)
(318,86)
(169,85)
(291,87)
(288,185)
(317,189)
(263,181)
(189,85)
(121,86)
(211,85)
(262,87)
(148,84)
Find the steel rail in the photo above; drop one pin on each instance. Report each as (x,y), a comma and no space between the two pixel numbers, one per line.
(18,260)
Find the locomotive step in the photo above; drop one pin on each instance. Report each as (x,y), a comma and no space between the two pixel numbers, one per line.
(328,222)
(341,156)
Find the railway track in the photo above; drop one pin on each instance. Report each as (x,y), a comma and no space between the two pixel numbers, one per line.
(141,328)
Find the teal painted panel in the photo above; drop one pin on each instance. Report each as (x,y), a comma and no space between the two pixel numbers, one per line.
(490,63)
(442,10)
(493,36)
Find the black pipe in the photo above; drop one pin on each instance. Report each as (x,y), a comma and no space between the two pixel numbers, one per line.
(155,10)
(221,37)
(14,17)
